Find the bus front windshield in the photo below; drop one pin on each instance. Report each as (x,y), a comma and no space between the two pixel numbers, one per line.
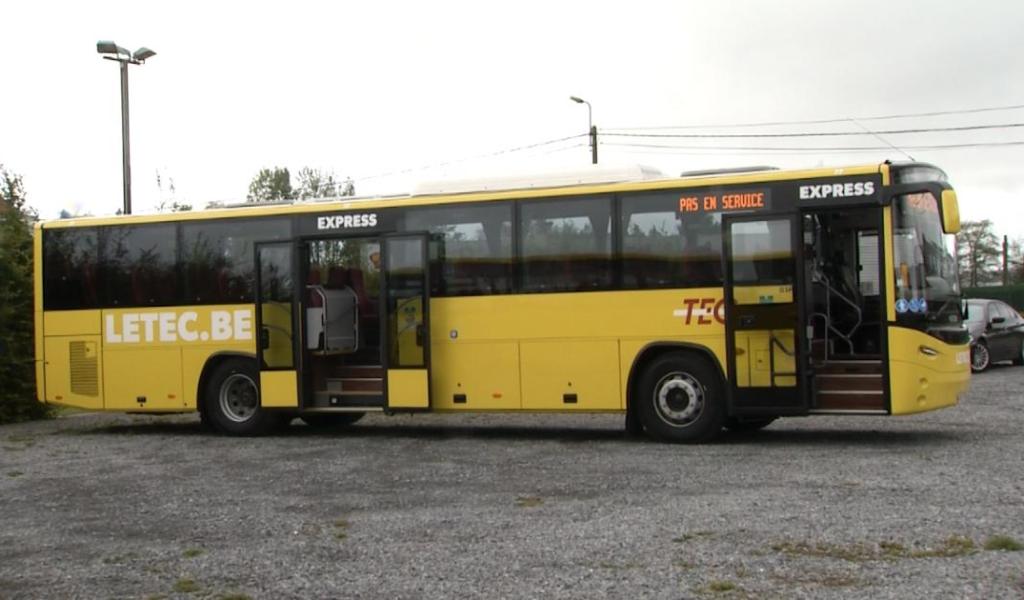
(927,288)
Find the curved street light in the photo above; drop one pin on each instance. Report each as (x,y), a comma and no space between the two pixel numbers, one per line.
(590,127)
(112,51)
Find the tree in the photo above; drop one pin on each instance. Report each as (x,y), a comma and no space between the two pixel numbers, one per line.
(17,365)
(314,183)
(978,253)
(270,185)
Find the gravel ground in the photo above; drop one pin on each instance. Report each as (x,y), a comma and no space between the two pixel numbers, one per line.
(518,506)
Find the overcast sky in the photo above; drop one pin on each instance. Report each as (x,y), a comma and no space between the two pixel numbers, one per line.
(377,90)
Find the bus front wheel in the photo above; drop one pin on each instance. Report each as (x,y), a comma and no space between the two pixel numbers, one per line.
(681,398)
(233,400)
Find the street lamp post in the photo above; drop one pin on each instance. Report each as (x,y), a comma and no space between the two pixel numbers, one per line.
(125,58)
(590,127)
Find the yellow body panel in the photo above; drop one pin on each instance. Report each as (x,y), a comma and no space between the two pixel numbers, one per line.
(407,388)
(577,375)
(487,373)
(151,373)
(72,322)
(37,304)
(921,382)
(763,294)
(157,353)
(550,340)
(950,212)
(754,357)
(278,389)
(888,270)
(277,321)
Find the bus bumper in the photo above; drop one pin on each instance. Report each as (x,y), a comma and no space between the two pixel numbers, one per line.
(925,373)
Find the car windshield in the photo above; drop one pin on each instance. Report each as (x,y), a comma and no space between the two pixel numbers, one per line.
(927,287)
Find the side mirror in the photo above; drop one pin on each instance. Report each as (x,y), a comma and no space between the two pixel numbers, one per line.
(950,212)
(998,320)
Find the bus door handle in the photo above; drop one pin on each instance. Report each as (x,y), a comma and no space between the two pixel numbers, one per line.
(264,338)
(420,330)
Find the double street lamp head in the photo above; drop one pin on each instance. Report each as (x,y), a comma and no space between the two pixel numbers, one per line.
(112,51)
(122,54)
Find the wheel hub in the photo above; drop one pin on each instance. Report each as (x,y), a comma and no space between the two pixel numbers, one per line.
(679,399)
(238,398)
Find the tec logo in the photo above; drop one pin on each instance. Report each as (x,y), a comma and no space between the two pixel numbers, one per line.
(701,311)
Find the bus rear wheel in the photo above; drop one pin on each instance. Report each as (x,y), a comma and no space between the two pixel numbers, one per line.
(681,398)
(233,400)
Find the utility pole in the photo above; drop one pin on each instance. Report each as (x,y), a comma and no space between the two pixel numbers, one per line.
(593,144)
(1006,261)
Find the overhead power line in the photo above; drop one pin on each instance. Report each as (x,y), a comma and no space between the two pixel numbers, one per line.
(456,161)
(813,133)
(812,148)
(940,113)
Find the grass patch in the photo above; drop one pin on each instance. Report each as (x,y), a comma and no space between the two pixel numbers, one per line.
(193,552)
(234,596)
(823,580)
(1004,543)
(529,501)
(341,529)
(15,473)
(186,586)
(721,586)
(954,545)
(847,552)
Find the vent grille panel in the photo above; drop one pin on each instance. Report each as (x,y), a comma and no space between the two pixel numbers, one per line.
(84,368)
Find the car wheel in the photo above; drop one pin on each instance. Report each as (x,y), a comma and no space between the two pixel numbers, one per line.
(681,399)
(233,400)
(980,359)
(1020,354)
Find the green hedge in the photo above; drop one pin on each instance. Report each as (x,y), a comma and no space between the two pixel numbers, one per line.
(1010,294)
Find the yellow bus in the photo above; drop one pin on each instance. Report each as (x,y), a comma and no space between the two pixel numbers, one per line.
(688,304)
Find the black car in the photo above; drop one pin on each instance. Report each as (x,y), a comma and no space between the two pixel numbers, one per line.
(997,333)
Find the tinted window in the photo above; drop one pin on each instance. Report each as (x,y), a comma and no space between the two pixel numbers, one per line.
(997,309)
(662,247)
(70,268)
(138,265)
(217,257)
(470,248)
(761,252)
(566,244)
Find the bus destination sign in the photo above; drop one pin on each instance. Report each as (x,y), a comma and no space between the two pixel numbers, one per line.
(730,201)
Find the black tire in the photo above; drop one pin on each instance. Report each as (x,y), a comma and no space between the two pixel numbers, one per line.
(748,425)
(232,400)
(681,398)
(980,357)
(331,420)
(1019,361)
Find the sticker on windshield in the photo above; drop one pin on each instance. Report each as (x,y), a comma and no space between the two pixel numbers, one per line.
(902,306)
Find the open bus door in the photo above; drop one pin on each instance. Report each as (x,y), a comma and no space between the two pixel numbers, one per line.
(766,349)
(277,324)
(407,330)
